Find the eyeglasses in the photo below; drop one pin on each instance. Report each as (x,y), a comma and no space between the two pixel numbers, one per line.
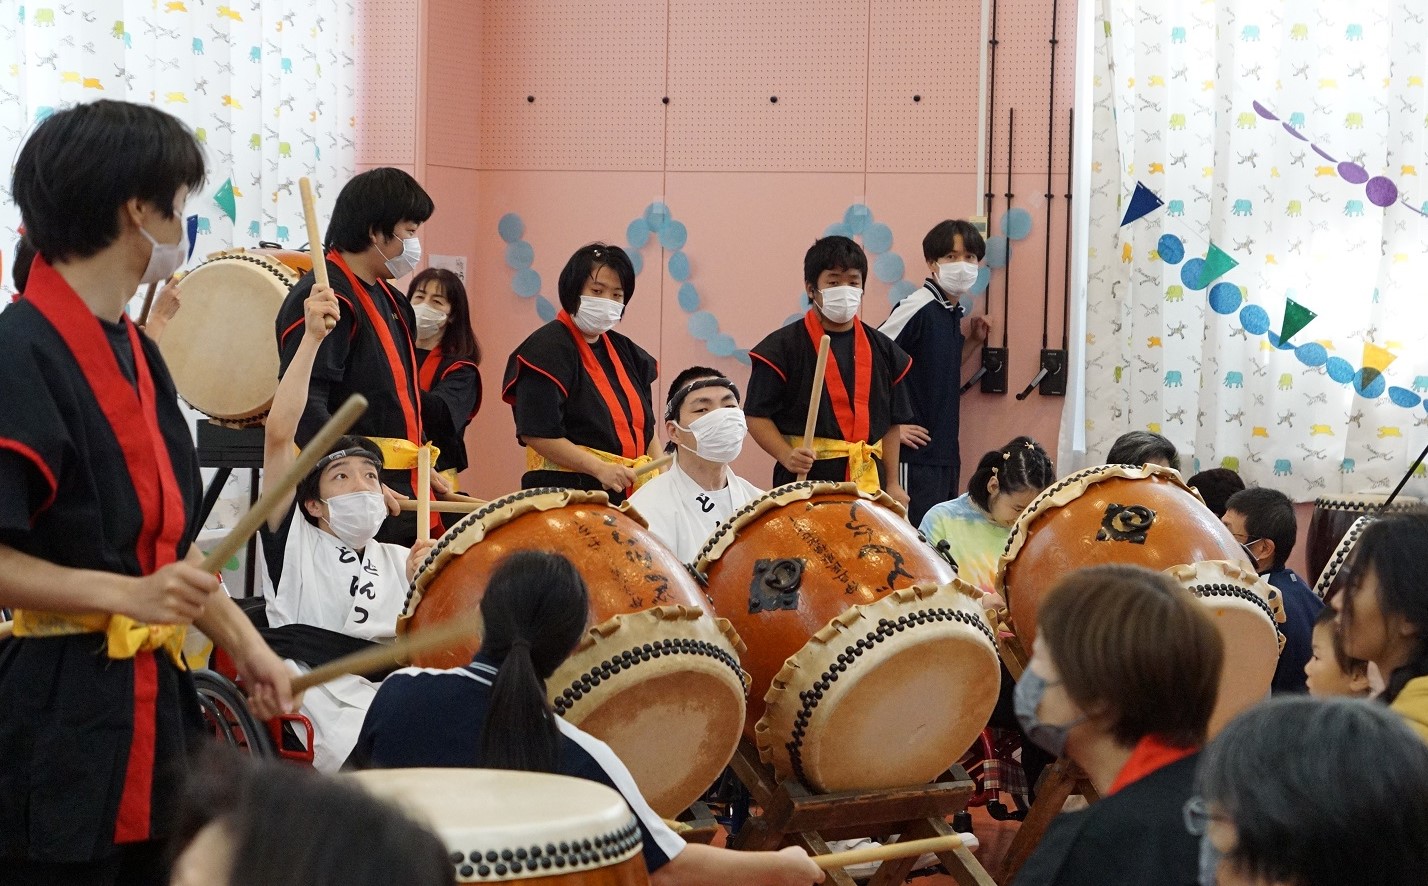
(1198,816)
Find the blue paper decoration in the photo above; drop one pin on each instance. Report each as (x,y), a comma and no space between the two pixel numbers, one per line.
(679,266)
(519,255)
(511,227)
(888,267)
(1016,224)
(996,252)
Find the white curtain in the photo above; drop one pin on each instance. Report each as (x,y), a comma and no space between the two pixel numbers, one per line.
(1292,137)
(268,86)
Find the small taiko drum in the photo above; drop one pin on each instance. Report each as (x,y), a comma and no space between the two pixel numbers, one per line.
(1248,612)
(1332,517)
(872,665)
(502,826)
(657,677)
(1144,516)
(221,347)
(1328,584)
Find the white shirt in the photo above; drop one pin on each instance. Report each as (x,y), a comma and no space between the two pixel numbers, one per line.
(683,515)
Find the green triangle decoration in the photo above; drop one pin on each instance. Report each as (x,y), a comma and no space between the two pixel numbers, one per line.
(1296,317)
(226,202)
(1217,263)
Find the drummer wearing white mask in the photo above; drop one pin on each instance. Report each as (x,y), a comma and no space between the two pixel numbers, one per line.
(706,430)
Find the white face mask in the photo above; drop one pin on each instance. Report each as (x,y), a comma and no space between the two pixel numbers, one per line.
(718,434)
(429,320)
(405,263)
(597,316)
(165,258)
(840,303)
(356,517)
(957,276)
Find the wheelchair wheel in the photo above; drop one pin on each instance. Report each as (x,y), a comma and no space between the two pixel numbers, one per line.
(226,713)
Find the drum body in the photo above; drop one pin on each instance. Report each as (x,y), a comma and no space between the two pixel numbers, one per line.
(221,347)
(657,677)
(1248,611)
(501,826)
(1144,516)
(872,666)
(1333,515)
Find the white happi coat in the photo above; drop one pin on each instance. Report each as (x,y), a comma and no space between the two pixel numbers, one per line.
(683,515)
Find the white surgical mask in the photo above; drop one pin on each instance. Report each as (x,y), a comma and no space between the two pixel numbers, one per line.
(957,276)
(165,258)
(718,434)
(356,517)
(405,263)
(429,320)
(840,303)
(597,316)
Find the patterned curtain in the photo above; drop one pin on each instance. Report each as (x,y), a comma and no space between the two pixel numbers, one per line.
(269,87)
(1258,243)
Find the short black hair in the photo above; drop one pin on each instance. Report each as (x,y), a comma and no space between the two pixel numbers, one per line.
(1139,447)
(583,265)
(1216,486)
(1268,514)
(82,164)
(307,487)
(375,202)
(938,241)
(20,267)
(833,253)
(684,378)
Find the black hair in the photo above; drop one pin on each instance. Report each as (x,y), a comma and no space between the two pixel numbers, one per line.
(307,488)
(1321,792)
(535,609)
(1020,465)
(1216,486)
(1139,447)
(938,241)
(583,265)
(1268,514)
(1347,663)
(82,164)
(691,380)
(833,254)
(457,339)
(20,266)
(290,825)
(1393,548)
(375,202)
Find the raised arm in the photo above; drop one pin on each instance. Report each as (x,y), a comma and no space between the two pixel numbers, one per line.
(290,399)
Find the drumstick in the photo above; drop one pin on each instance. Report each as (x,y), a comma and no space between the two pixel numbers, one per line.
(815,399)
(424,493)
(386,655)
(314,239)
(148,303)
(316,448)
(886,852)
(443,507)
(658,464)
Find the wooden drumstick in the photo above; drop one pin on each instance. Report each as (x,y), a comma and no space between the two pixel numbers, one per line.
(443,636)
(316,448)
(314,238)
(148,303)
(424,493)
(886,852)
(816,398)
(658,464)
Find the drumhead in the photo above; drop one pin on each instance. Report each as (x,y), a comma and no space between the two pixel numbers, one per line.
(220,347)
(501,825)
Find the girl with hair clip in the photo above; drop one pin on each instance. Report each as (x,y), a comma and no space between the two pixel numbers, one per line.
(494,714)
(1383,611)
(447,360)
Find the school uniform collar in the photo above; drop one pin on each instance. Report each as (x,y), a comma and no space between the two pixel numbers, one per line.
(957,308)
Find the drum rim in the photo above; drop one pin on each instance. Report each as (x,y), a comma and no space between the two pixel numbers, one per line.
(1340,503)
(1339,557)
(802,490)
(1226,578)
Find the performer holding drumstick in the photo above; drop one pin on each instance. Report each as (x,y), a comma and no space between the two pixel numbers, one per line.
(99,496)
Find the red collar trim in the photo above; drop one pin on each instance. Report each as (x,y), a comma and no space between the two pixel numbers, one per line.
(411,405)
(851,412)
(1151,753)
(630,428)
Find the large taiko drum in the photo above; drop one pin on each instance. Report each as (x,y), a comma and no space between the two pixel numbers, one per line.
(1332,517)
(502,826)
(220,347)
(1329,582)
(1143,516)
(657,677)
(871,664)
(1248,611)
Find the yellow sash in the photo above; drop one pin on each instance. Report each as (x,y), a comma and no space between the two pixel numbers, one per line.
(449,474)
(862,470)
(125,637)
(537,462)
(401,455)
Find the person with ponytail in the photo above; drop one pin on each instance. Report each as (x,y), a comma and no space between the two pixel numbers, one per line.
(1383,611)
(494,714)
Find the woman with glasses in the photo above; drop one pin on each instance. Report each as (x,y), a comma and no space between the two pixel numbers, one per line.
(1313,792)
(1122,680)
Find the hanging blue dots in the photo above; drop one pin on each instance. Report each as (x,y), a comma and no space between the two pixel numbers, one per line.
(857,217)
(1254,319)
(655,215)
(877,238)
(888,267)
(673,234)
(519,255)
(1016,224)
(1312,354)
(722,345)
(637,261)
(1192,272)
(901,290)
(742,355)
(526,283)
(638,233)
(838,229)
(688,298)
(984,278)
(679,266)
(703,325)
(544,309)
(1171,249)
(1403,397)
(1339,369)
(511,227)
(1369,383)
(996,252)
(1225,298)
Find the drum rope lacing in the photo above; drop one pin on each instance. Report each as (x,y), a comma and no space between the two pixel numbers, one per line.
(1228,590)
(886,628)
(728,525)
(629,658)
(566,856)
(1340,557)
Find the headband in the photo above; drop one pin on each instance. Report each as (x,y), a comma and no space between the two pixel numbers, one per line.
(331,457)
(676,399)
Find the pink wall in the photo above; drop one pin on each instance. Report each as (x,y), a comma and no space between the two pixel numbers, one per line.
(753,181)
